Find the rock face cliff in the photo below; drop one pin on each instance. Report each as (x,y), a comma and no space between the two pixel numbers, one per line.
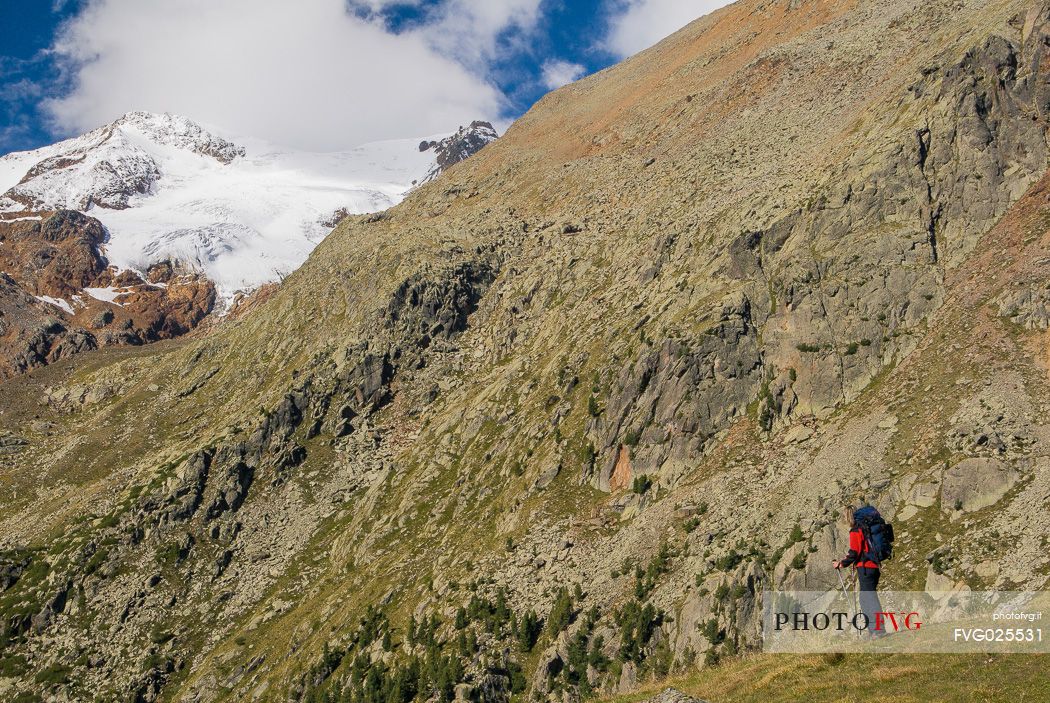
(60,296)
(550,426)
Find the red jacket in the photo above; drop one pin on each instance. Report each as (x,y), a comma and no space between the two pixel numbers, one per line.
(858,546)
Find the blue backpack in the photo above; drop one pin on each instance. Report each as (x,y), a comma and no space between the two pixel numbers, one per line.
(878,534)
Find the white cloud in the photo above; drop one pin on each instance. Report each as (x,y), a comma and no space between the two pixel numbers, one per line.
(306,74)
(638,24)
(558,73)
(469,29)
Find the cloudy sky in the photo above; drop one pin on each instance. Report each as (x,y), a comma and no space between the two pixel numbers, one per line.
(309,74)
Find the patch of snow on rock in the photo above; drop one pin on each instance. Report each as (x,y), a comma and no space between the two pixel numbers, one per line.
(57,302)
(106,295)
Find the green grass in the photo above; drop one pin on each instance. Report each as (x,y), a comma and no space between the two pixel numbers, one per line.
(831,678)
(12,666)
(54,675)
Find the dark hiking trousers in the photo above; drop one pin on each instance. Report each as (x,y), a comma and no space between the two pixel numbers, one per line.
(869,596)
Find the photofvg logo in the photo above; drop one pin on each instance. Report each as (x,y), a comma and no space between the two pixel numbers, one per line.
(877,623)
(839,620)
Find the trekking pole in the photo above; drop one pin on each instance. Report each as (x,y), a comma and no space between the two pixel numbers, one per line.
(850,602)
(855,577)
(842,584)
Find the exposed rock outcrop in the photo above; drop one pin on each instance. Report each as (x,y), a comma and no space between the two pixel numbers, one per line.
(60,297)
(673,695)
(57,255)
(1029,307)
(466,142)
(973,484)
(677,395)
(31,334)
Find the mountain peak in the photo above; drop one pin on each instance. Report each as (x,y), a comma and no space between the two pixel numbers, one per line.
(110,165)
(454,148)
(178,131)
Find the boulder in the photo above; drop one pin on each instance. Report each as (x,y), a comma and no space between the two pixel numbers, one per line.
(889,423)
(798,434)
(973,484)
(673,695)
(923,495)
(942,583)
(547,477)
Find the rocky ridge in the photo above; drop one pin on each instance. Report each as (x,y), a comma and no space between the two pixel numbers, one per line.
(454,148)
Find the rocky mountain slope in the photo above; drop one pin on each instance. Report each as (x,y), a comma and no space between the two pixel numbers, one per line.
(549,426)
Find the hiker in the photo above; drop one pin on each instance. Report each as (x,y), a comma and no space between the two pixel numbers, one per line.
(870,544)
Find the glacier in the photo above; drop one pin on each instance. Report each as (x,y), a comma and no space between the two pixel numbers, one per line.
(239,210)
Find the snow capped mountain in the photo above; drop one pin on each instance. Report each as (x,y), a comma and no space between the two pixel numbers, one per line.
(107,166)
(244,213)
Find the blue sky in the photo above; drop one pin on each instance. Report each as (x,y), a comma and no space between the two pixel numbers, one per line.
(567,33)
(26,32)
(311,74)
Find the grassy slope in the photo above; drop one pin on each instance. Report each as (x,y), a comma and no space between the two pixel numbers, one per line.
(856,679)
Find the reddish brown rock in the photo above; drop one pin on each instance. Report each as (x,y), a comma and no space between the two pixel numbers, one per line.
(57,256)
(156,313)
(622,474)
(33,333)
